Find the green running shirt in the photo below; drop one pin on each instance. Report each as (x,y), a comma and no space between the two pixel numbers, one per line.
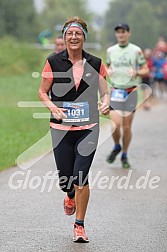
(122,61)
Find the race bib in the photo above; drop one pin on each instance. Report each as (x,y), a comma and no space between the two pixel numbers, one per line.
(119,95)
(76,111)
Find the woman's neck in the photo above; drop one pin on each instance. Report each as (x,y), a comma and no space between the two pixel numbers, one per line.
(75,56)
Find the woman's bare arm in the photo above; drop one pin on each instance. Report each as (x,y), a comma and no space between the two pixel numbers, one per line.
(43,96)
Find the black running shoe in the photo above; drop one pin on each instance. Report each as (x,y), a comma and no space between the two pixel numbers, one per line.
(112,156)
(125,163)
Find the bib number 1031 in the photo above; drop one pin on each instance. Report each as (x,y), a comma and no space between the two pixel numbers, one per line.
(76,111)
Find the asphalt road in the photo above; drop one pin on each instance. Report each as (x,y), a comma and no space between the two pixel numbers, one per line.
(123,220)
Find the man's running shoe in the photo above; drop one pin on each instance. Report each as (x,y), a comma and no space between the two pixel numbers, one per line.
(112,156)
(69,206)
(79,234)
(125,163)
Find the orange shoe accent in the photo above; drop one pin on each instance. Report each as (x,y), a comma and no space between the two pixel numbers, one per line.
(69,206)
(79,234)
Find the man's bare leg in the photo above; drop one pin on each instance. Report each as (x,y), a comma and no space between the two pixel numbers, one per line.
(127,136)
(116,121)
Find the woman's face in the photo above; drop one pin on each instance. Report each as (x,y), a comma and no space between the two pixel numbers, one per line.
(74,38)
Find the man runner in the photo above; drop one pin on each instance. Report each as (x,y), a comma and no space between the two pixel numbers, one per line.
(126,64)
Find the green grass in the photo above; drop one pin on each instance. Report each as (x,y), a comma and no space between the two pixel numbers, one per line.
(19,130)
(18,58)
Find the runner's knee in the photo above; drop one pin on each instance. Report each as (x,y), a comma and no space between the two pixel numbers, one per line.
(81,182)
(80,186)
(126,129)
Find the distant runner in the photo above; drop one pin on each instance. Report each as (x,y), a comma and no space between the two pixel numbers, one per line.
(126,64)
(148,79)
(60,44)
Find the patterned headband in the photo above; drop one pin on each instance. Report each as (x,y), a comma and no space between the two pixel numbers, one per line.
(74,24)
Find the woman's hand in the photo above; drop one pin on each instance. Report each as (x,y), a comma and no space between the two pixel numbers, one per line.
(58,113)
(104,108)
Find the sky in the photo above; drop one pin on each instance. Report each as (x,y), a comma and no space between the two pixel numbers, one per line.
(98,6)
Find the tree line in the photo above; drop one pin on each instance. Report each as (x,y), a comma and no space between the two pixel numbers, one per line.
(147,19)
